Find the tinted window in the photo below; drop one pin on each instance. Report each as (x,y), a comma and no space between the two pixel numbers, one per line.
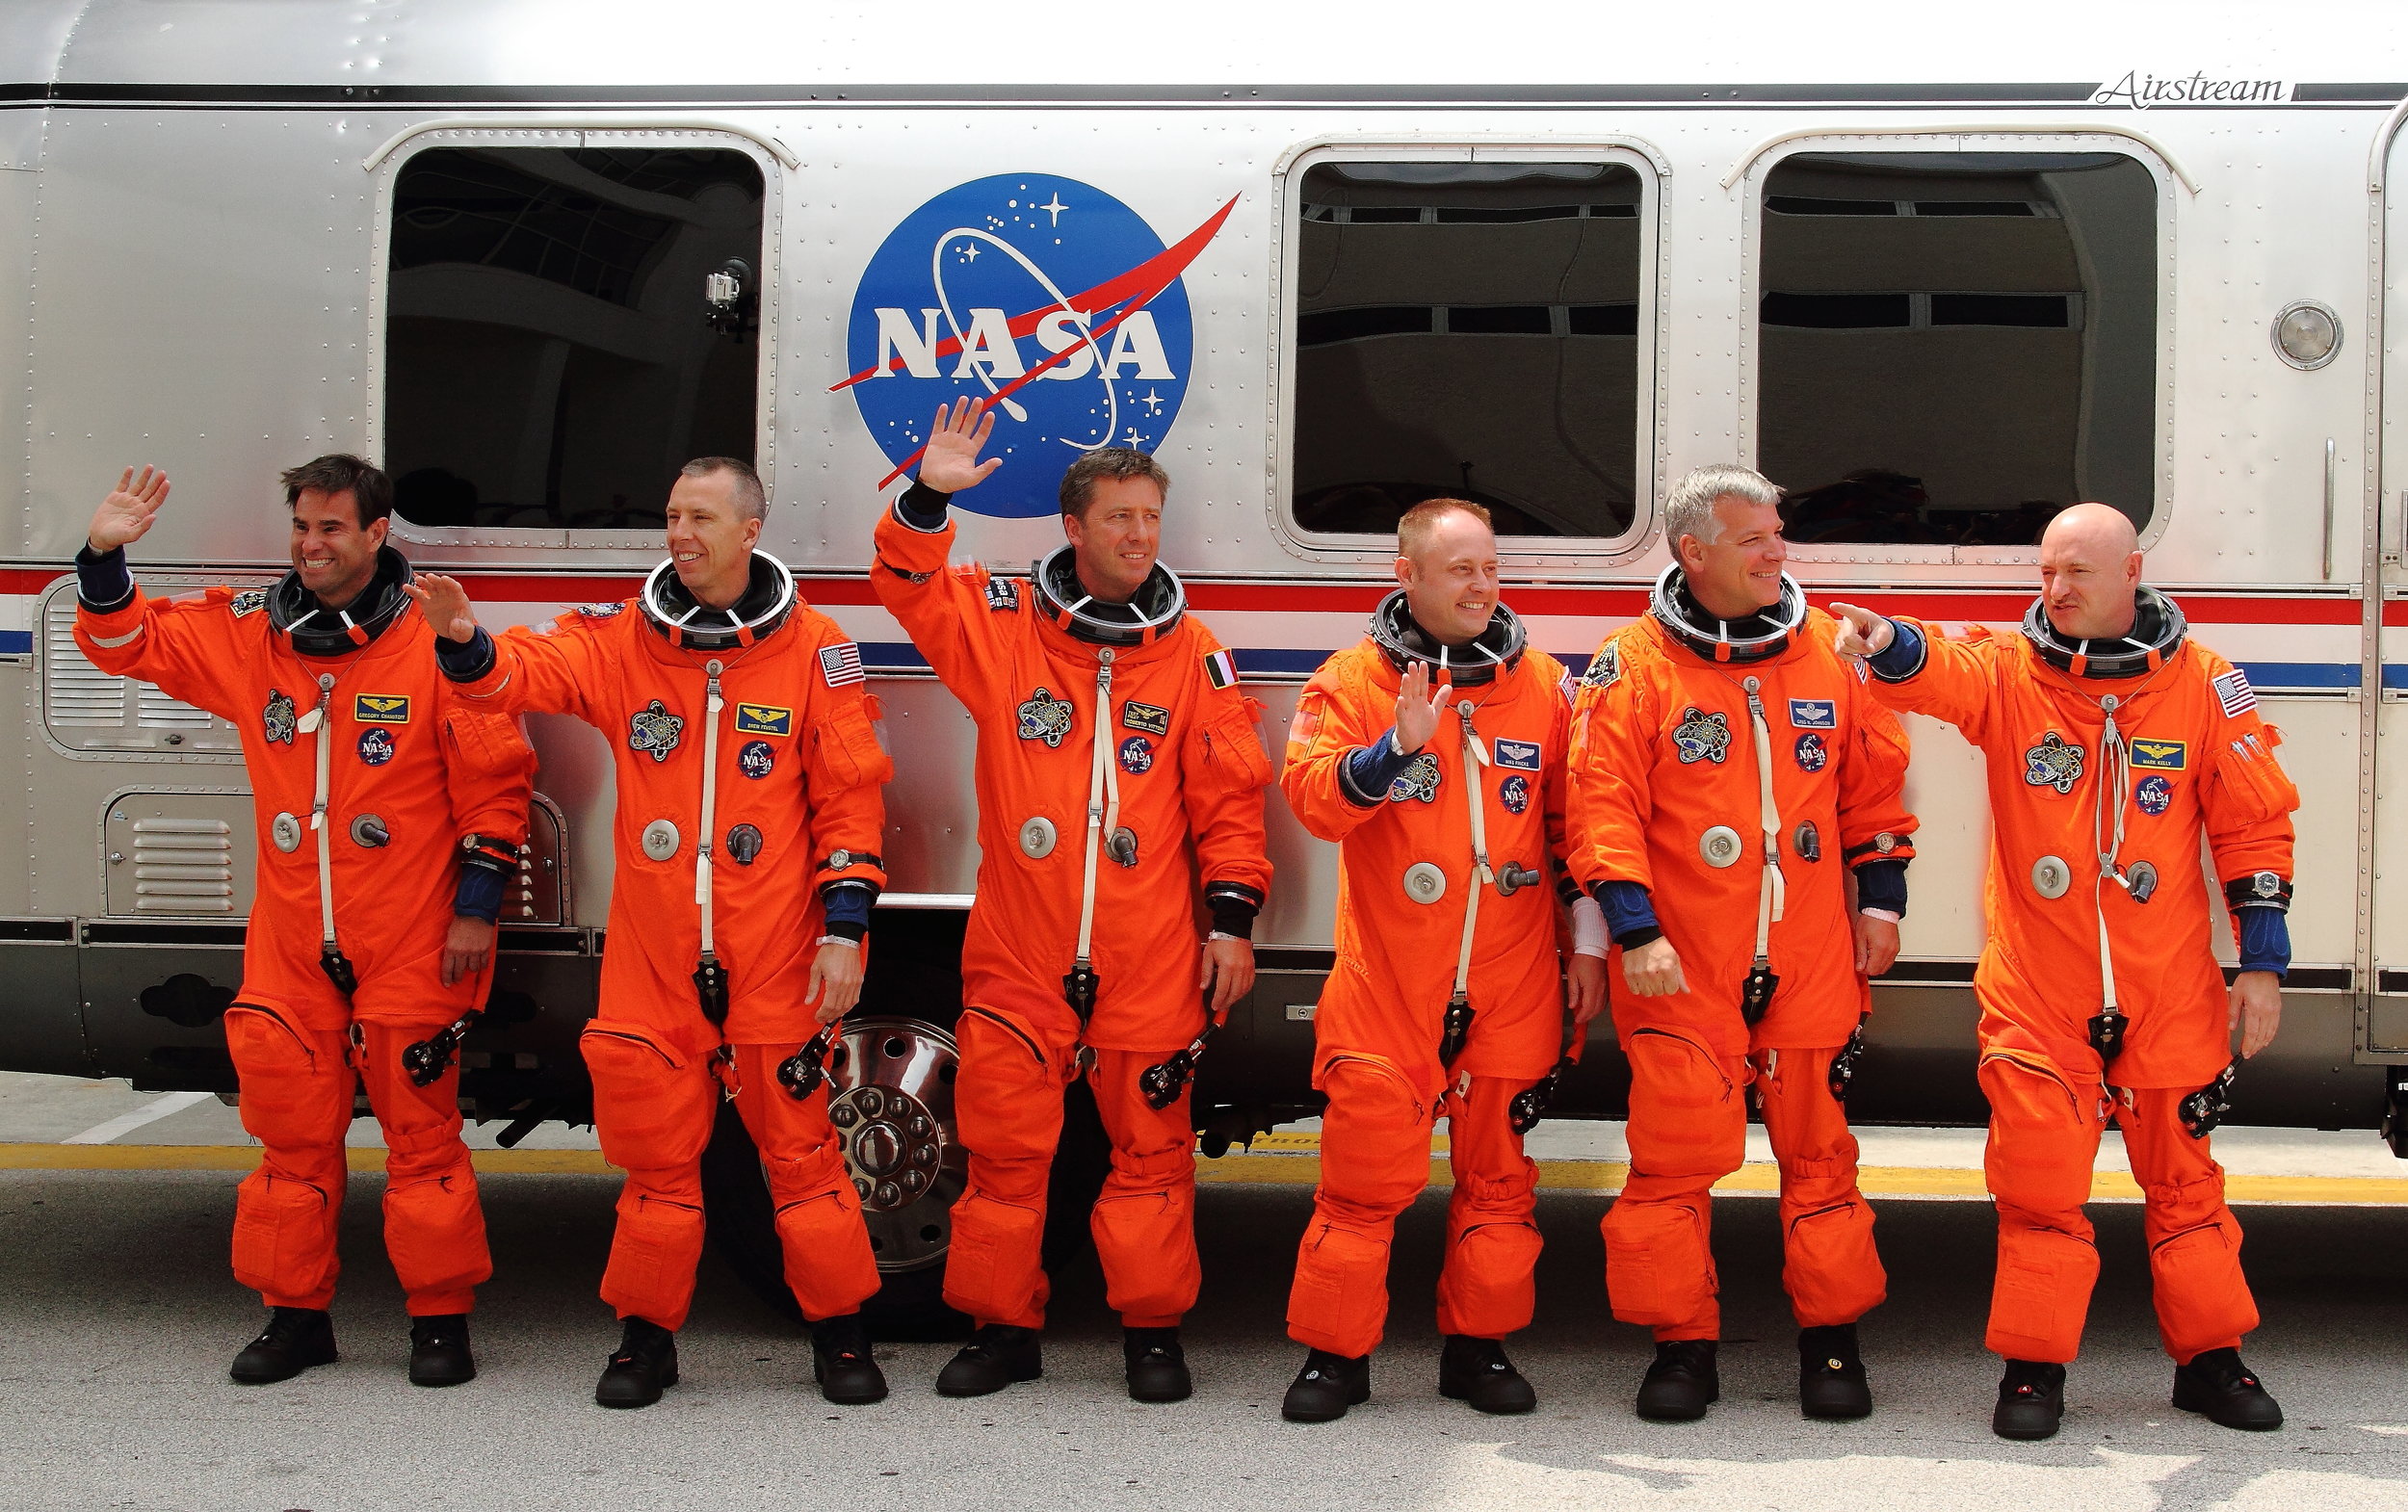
(1954,347)
(551,356)
(1468,329)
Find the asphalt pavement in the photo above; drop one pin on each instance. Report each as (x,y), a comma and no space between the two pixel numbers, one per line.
(118,1319)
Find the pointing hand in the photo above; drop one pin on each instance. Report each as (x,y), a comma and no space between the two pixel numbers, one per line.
(1861,632)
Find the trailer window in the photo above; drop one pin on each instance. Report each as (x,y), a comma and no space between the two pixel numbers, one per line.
(1955,346)
(551,356)
(1468,329)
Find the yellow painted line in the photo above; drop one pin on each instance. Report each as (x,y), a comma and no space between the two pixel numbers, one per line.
(246,1158)
(1301,1167)
(1877,1180)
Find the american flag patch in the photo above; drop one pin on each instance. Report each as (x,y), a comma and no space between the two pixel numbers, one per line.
(1220,671)
(841,664)
(2234,691)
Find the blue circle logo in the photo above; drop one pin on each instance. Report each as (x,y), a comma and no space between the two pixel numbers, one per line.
(1041,296)
(2156,796)
(376,746)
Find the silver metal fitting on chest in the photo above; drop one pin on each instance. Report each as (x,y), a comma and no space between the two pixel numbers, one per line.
(1037,837)
(2050,876)
(660,840)
(1720,845)
(1425,884)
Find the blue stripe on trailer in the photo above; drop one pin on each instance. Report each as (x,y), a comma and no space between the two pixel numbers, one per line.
(16,643)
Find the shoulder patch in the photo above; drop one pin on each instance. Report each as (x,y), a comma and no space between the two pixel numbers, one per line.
(600,610)
(1605,668)
(841,664)
(2233,692)
(1220,670)
(1002,595)
(249,601)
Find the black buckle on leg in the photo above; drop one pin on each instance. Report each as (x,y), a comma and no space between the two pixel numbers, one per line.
(1078,989)
(2106,1033)
(1843,1064)
(426,1059)
(2202,1110)
(338,969)
(801,1072)
(1531,1104)
(710,986)
(1456,1029)
(1756,994)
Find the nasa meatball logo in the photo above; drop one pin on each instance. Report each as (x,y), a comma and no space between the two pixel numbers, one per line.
(756,760)
(1044,297)
(376,746)
(1137,755)
(2155,795)
(1812,753)
(1515,793)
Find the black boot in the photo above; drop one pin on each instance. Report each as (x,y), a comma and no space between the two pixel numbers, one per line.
(997,1355)
(2032,1399)
(1475,1370)
(439,1350)
(1158,1367)
(1830,1377)
(644,1366)
(1682,1383)
(1326,1387)
(842,1364)
(294,1339)
(2218,1383)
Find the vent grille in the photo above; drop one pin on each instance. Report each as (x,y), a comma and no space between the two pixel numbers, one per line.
(184,855)
(87,710)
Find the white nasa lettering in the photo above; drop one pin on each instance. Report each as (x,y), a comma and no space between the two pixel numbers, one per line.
(990,345)
(1136,340)
(1059,332)
(896,339)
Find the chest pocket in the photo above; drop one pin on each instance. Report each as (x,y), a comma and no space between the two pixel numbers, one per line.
(845,749)
(1226,748)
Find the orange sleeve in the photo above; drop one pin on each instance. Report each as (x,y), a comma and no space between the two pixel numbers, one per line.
(1609,798)
(1957,680)
(491,770)
(849,772)
(1332,722)
(949,612)
(1556,786)
(1221,776)
(2248,799)
(178,645)
(550,669)
(1872,785)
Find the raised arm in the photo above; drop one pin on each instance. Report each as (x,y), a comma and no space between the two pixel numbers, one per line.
(551,669)
(1915,668)
(184,646)
(950,614)
(1342,757)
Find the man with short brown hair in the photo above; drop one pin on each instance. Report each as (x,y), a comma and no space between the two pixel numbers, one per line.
(389,822)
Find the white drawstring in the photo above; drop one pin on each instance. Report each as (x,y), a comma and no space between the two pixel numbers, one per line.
(1772,888)
(1475,761)
(2106,819)
(711,704)
(314,725)
(1103,803)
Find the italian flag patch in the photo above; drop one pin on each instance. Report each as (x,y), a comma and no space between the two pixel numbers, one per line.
(1219,670)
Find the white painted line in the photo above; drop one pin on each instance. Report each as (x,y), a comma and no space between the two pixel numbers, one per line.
(149,1113)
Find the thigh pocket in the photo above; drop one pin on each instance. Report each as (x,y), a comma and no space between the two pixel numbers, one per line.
(1687,1118)
(651,1109)
(291,1094)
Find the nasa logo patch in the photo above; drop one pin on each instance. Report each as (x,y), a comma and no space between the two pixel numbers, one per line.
(2155,795)
(1040,295)
(756,760)
(1515,793)
(1812,753)
(1137,755)
(376,746)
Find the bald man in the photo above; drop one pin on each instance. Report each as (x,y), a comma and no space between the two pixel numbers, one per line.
(1433,752)
(2114,746)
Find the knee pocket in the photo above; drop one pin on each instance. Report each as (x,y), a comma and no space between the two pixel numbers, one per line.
(1341,1288)
(434,1231)
(1659,1270)
(2042,1293)
(652,1109)
(292,1092)
(283,1235)
(2200,1293)
(1687,1118)
(995,1265)
(2043,1139)
(828,1260)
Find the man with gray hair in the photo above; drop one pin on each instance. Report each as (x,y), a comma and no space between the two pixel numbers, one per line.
(1736,808)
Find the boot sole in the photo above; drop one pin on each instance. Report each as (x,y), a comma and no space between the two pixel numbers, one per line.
(984,1389)
(2023,1435)
(852,1398)
(447,1378)
(254,1378)
(668,1380)
(1459,1394)
(1178,1390)
(1713,1394)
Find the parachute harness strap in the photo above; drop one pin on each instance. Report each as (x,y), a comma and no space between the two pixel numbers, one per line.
(712,703)
(1103,803)
(1772,893)
(1475,761)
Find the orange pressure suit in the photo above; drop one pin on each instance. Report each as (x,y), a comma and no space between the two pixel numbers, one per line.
(1179,774)
(794,807)
(1666,792)
(2189,756)
(411,779)
(1377,1027)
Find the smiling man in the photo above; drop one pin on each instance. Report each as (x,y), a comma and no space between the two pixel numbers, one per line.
(1737,808)
(389,822)
(749,813)
(2116,746)
(1432,751)
(1119,783)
